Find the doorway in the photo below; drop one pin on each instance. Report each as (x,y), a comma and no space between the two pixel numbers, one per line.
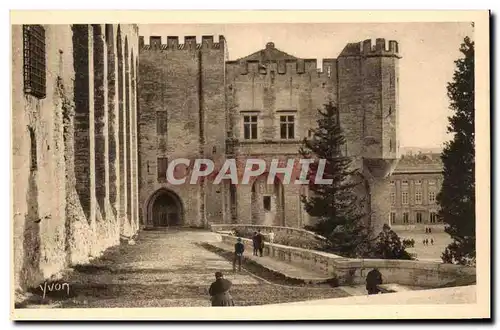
(166,209)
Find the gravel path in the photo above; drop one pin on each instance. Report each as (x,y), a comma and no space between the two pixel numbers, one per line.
(168,269)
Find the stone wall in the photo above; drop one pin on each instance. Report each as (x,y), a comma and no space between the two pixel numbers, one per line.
(182,85)
(354,271)
(65,204)
(219,228)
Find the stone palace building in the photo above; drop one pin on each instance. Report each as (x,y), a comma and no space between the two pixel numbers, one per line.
(193,103)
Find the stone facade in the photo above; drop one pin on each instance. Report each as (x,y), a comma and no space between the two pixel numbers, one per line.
(196,104)
(74,144)
(415,183)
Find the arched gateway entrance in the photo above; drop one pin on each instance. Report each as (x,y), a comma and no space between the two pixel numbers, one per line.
(165,209)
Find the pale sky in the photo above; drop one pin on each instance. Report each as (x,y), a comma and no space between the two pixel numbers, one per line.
(428,51)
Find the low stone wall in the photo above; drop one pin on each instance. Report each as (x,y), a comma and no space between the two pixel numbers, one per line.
(354,271)
(222,228)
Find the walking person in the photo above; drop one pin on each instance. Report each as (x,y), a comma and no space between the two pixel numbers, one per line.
(239,248)
(219,291)
(255,243)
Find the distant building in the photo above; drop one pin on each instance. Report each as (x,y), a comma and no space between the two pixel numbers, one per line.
(415,183)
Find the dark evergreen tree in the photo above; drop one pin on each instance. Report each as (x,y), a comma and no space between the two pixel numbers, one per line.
(337,208)
(457,196)
(388,245)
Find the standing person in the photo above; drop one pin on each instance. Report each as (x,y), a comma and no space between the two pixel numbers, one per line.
(259,241)
(430,231)
(239,248)
(219,291)
(432,241)
(271,237)
(255,243)
(373,280)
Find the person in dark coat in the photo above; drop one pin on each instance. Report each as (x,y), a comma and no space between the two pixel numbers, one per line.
(259,242)
(239,248)
(219,291)
(255,243)
(373,280)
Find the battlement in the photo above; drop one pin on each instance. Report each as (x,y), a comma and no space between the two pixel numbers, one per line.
(207,42)
(282,67)
(368,49)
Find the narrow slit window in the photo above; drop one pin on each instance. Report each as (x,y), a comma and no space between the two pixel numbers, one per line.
(161,122)
(162,169)
(267,203)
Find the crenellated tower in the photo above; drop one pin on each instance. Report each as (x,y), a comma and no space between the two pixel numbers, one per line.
(182,102)
(368,102)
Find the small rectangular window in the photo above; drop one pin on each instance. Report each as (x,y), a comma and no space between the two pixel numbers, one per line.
(393,198)
(419,217)
(432,197)
(250,127)
(404,198)
(393,218)
(418,197)
(405,217)
(287,127)
(162,169)
(34,60)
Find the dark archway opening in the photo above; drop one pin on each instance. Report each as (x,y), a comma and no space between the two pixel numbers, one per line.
(166,210)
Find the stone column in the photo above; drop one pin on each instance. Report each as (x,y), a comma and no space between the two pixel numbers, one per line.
(128,134)
(134,156)
(84,116)
(101,149)
(113,145)
(122,211)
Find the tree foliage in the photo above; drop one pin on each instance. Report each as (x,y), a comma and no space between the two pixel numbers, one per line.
(336,205)
(457,196)
(338,208)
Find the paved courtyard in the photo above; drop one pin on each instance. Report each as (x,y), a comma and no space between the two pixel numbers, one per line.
(169,269)
(426,252)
